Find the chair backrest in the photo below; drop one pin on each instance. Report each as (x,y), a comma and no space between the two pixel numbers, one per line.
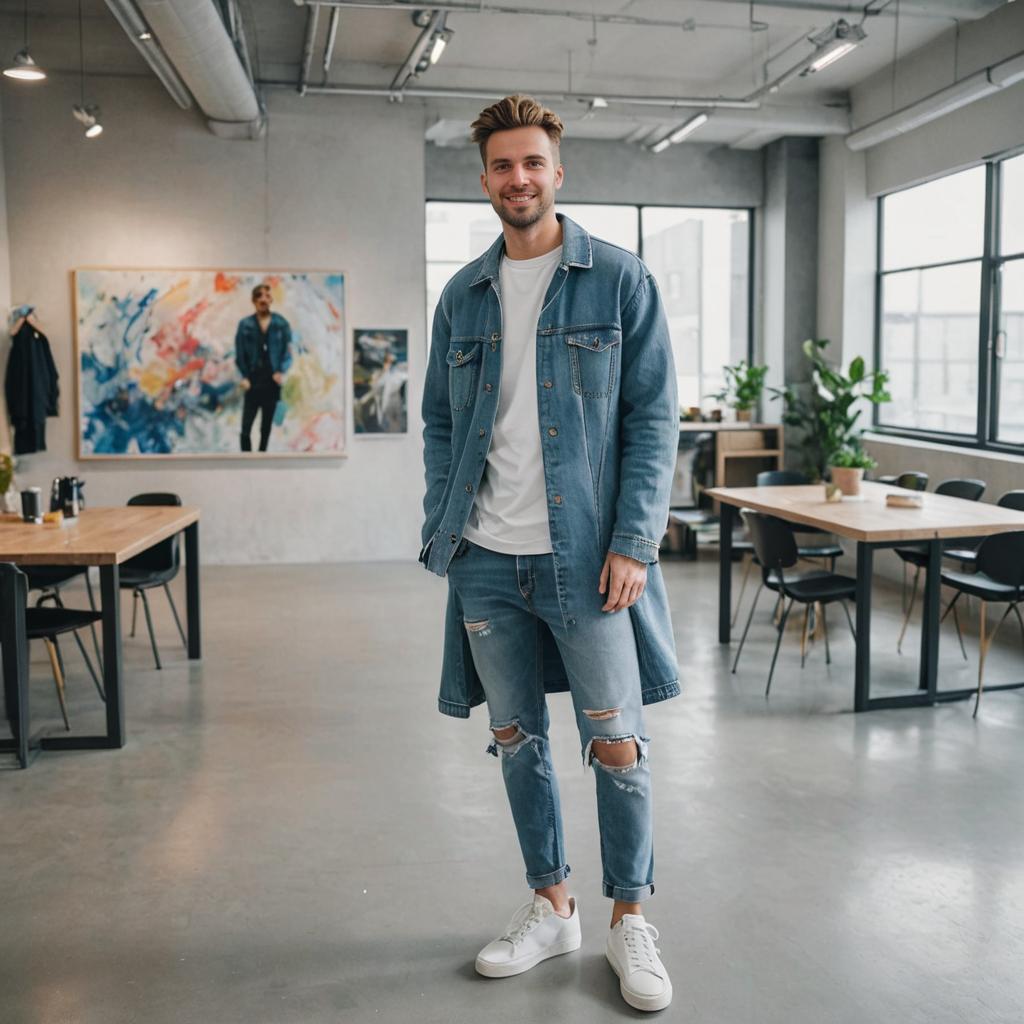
(773,540)
(912,481)
(166,555)
(970,490)
(1012,499)
(1001,557)
(781,478)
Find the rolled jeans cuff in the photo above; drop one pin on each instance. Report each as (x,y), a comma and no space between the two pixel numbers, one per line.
(551,878)
(637,895)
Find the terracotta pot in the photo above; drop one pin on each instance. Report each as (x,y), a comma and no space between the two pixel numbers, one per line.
(744,415)
(847,478)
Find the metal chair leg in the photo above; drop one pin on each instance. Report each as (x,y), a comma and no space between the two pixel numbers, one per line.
(959,633)
(746,629)
(149,624)
(778,641)
(56,664)
(88,661)
(1016,611)
(853,632)
(824,629)
(910,611)
(743,587)
(135,610)
(903,589)
(181,632)
(985,648)
(803,637)
(949,607)
(92,625)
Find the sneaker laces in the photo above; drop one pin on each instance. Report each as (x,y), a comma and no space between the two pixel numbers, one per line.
(524,920)
(640,949)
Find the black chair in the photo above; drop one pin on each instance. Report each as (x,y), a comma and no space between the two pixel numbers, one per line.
(965,549)
(50,580)
(968,490)
(776,550)
(47,624)
(999,579)
(783,478)
(155,567)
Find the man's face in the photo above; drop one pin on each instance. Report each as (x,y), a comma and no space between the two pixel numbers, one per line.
(262,301)
(522,175)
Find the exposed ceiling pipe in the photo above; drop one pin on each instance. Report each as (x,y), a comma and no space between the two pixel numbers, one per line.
(193,35)
(975,87)
(312,16)
(332,35)
(142,39)
(963,11)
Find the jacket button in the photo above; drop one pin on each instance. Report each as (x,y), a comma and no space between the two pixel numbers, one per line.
(453,538)
(488,387)
(469,488)
(548,384)
(552,432)
(557,499)
(495,337)
(458,357)
(483,432)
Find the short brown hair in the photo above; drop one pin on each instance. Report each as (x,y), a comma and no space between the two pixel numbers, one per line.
(262,287)
(514,112)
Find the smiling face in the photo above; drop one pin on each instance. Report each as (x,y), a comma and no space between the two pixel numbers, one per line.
(522,173)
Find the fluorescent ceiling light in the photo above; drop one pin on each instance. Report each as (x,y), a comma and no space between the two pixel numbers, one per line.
(687,128)
(835,42)
(441,40)
(24,68)
(660,147)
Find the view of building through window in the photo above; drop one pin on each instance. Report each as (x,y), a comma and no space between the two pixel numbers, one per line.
(700,259)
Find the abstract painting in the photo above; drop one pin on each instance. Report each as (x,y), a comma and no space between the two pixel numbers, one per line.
(380,380)
(159,374)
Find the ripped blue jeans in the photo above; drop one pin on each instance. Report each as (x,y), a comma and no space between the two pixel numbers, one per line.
(507,601)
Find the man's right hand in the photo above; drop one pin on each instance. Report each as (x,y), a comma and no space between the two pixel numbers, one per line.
(246,384)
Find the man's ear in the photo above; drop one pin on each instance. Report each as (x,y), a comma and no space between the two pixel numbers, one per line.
(483,183)
(559,176)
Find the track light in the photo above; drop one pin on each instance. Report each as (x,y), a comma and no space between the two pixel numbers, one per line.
(90,117)
(441,40)
(660,147)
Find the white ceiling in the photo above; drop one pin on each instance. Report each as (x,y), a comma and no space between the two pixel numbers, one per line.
(724,48)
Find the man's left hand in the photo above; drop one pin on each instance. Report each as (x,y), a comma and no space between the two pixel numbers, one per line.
(278,378)
(623,579)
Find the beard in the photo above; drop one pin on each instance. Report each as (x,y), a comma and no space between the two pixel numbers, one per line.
(523,218)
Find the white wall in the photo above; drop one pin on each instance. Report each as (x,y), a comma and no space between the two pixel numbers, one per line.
(337,183)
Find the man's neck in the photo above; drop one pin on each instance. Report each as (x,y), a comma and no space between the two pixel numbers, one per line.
(536,240)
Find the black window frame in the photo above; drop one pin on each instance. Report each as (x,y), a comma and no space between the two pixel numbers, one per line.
(639,208)
(987,420)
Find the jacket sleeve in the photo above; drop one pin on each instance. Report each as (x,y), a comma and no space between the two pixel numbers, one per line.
(286,352)
(240,354)
(649,426)
(437,421)
(52,380)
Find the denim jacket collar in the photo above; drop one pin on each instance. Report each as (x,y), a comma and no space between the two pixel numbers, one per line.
(576,251)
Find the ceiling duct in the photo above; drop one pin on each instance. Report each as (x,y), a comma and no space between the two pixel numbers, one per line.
(193,35)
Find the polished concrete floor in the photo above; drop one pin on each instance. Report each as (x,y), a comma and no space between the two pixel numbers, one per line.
(293,833)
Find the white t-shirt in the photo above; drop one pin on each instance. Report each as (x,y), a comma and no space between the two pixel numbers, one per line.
(510,514)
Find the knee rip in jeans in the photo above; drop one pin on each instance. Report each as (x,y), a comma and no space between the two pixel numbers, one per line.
(639,744)
(481,629)
(510,738)
(603,716)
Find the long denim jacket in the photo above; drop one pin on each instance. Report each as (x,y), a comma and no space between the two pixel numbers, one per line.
(609,426)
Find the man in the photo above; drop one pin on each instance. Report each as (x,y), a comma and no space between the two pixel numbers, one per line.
(551,427)
(263,355)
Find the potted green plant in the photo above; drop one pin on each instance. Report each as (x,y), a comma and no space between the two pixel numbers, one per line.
(824,410)
(6,480)
(743,387)
(847,466)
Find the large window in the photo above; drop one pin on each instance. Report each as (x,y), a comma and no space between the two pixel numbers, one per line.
(699,257)
(951,307)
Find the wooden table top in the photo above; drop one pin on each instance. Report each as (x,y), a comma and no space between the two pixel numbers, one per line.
(871,519)
(101,536)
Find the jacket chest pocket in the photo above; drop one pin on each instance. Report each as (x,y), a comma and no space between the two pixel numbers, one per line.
(594,361)
(463,366)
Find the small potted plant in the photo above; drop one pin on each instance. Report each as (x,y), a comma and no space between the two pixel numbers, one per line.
(847,466)
(742,390)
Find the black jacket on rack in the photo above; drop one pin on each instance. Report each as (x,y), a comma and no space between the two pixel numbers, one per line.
(31,388)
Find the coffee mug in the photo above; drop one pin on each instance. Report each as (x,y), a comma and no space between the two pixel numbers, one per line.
(32,505)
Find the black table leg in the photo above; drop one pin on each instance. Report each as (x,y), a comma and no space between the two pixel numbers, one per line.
(192,590)
(929,671)
(726,515)
(862,671)
(13,595)
(113,678)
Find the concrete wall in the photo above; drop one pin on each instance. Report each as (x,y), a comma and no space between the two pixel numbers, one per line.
(337,183)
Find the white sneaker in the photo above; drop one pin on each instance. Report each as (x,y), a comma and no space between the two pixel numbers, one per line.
(535,933)
(643,980)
